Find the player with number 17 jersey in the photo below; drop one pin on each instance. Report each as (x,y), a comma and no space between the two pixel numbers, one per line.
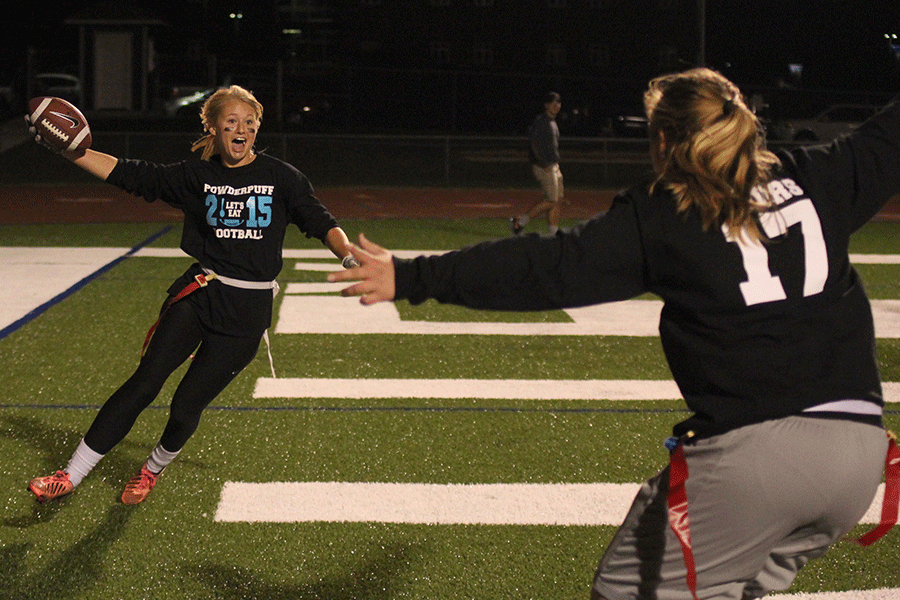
(745,322)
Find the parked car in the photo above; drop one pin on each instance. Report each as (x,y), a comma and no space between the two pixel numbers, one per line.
(187,100)
(61,85)
(633,126)
(827,125)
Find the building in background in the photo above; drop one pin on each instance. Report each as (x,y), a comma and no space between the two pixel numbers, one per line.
(463,66)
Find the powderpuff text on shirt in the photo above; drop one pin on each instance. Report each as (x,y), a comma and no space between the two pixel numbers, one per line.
(239,213)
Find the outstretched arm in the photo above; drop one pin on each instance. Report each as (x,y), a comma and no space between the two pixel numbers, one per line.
(96,163)
(336,240)
(375,273)
(600,260)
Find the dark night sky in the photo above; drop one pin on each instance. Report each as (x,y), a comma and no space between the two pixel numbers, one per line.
(838,42)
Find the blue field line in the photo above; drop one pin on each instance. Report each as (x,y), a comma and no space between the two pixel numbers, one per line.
(62,296)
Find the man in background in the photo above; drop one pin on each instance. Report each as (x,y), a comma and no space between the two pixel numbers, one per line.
(544,158)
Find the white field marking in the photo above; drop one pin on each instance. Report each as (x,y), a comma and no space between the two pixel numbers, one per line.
(891,391)
(338,315)
(44,273)
(879,594)
(34,276)
(289,253)
(611,319)
(875,259)
(503,389)
(326,267)
(502,504)
(150,252)
(448,504)
(639,318)
(335,266)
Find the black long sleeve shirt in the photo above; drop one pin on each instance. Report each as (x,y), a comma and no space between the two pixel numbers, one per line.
(235,221)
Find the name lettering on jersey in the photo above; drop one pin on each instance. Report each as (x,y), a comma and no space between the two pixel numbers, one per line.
(779,191)
(239,213)
(761,284)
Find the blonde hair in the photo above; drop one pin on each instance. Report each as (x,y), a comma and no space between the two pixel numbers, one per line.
(211,110)
(709,148)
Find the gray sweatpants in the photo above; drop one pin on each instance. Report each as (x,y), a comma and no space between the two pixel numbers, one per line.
(763,500)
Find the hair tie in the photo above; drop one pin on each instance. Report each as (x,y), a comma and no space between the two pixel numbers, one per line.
(728,107)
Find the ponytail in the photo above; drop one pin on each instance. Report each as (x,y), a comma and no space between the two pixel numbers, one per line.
(207,144)
(709,149)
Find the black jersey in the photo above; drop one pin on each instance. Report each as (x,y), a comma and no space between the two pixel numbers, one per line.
(751,330)
(235,221)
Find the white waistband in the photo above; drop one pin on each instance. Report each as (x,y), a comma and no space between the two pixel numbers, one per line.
(856,407)
(241,283)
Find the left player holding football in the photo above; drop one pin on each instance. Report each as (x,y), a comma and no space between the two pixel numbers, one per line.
(237,205)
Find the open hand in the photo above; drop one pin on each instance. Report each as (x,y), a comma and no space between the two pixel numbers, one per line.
(375,273)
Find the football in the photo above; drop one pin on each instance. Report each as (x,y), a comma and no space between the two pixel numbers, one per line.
(59,123)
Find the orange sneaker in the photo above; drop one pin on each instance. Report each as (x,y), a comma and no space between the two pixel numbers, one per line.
(138,487)
(51,486)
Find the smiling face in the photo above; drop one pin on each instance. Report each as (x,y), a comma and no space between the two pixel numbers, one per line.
(235,132)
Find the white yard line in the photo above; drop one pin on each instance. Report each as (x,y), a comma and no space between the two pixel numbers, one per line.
(879,594)
(636,318)
(503,389)
(587,504)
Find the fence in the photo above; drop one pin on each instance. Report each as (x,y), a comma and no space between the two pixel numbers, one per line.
(414,160)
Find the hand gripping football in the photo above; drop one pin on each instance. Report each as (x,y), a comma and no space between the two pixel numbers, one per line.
(59,123)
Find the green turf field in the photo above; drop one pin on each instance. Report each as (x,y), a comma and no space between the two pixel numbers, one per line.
(57,369)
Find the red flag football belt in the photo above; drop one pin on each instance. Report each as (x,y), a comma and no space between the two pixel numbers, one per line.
(200,281)
(680,523)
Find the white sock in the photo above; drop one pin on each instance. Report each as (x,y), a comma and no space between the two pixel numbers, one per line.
(83,460)
(553,229)
(159,459)
(523,220)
